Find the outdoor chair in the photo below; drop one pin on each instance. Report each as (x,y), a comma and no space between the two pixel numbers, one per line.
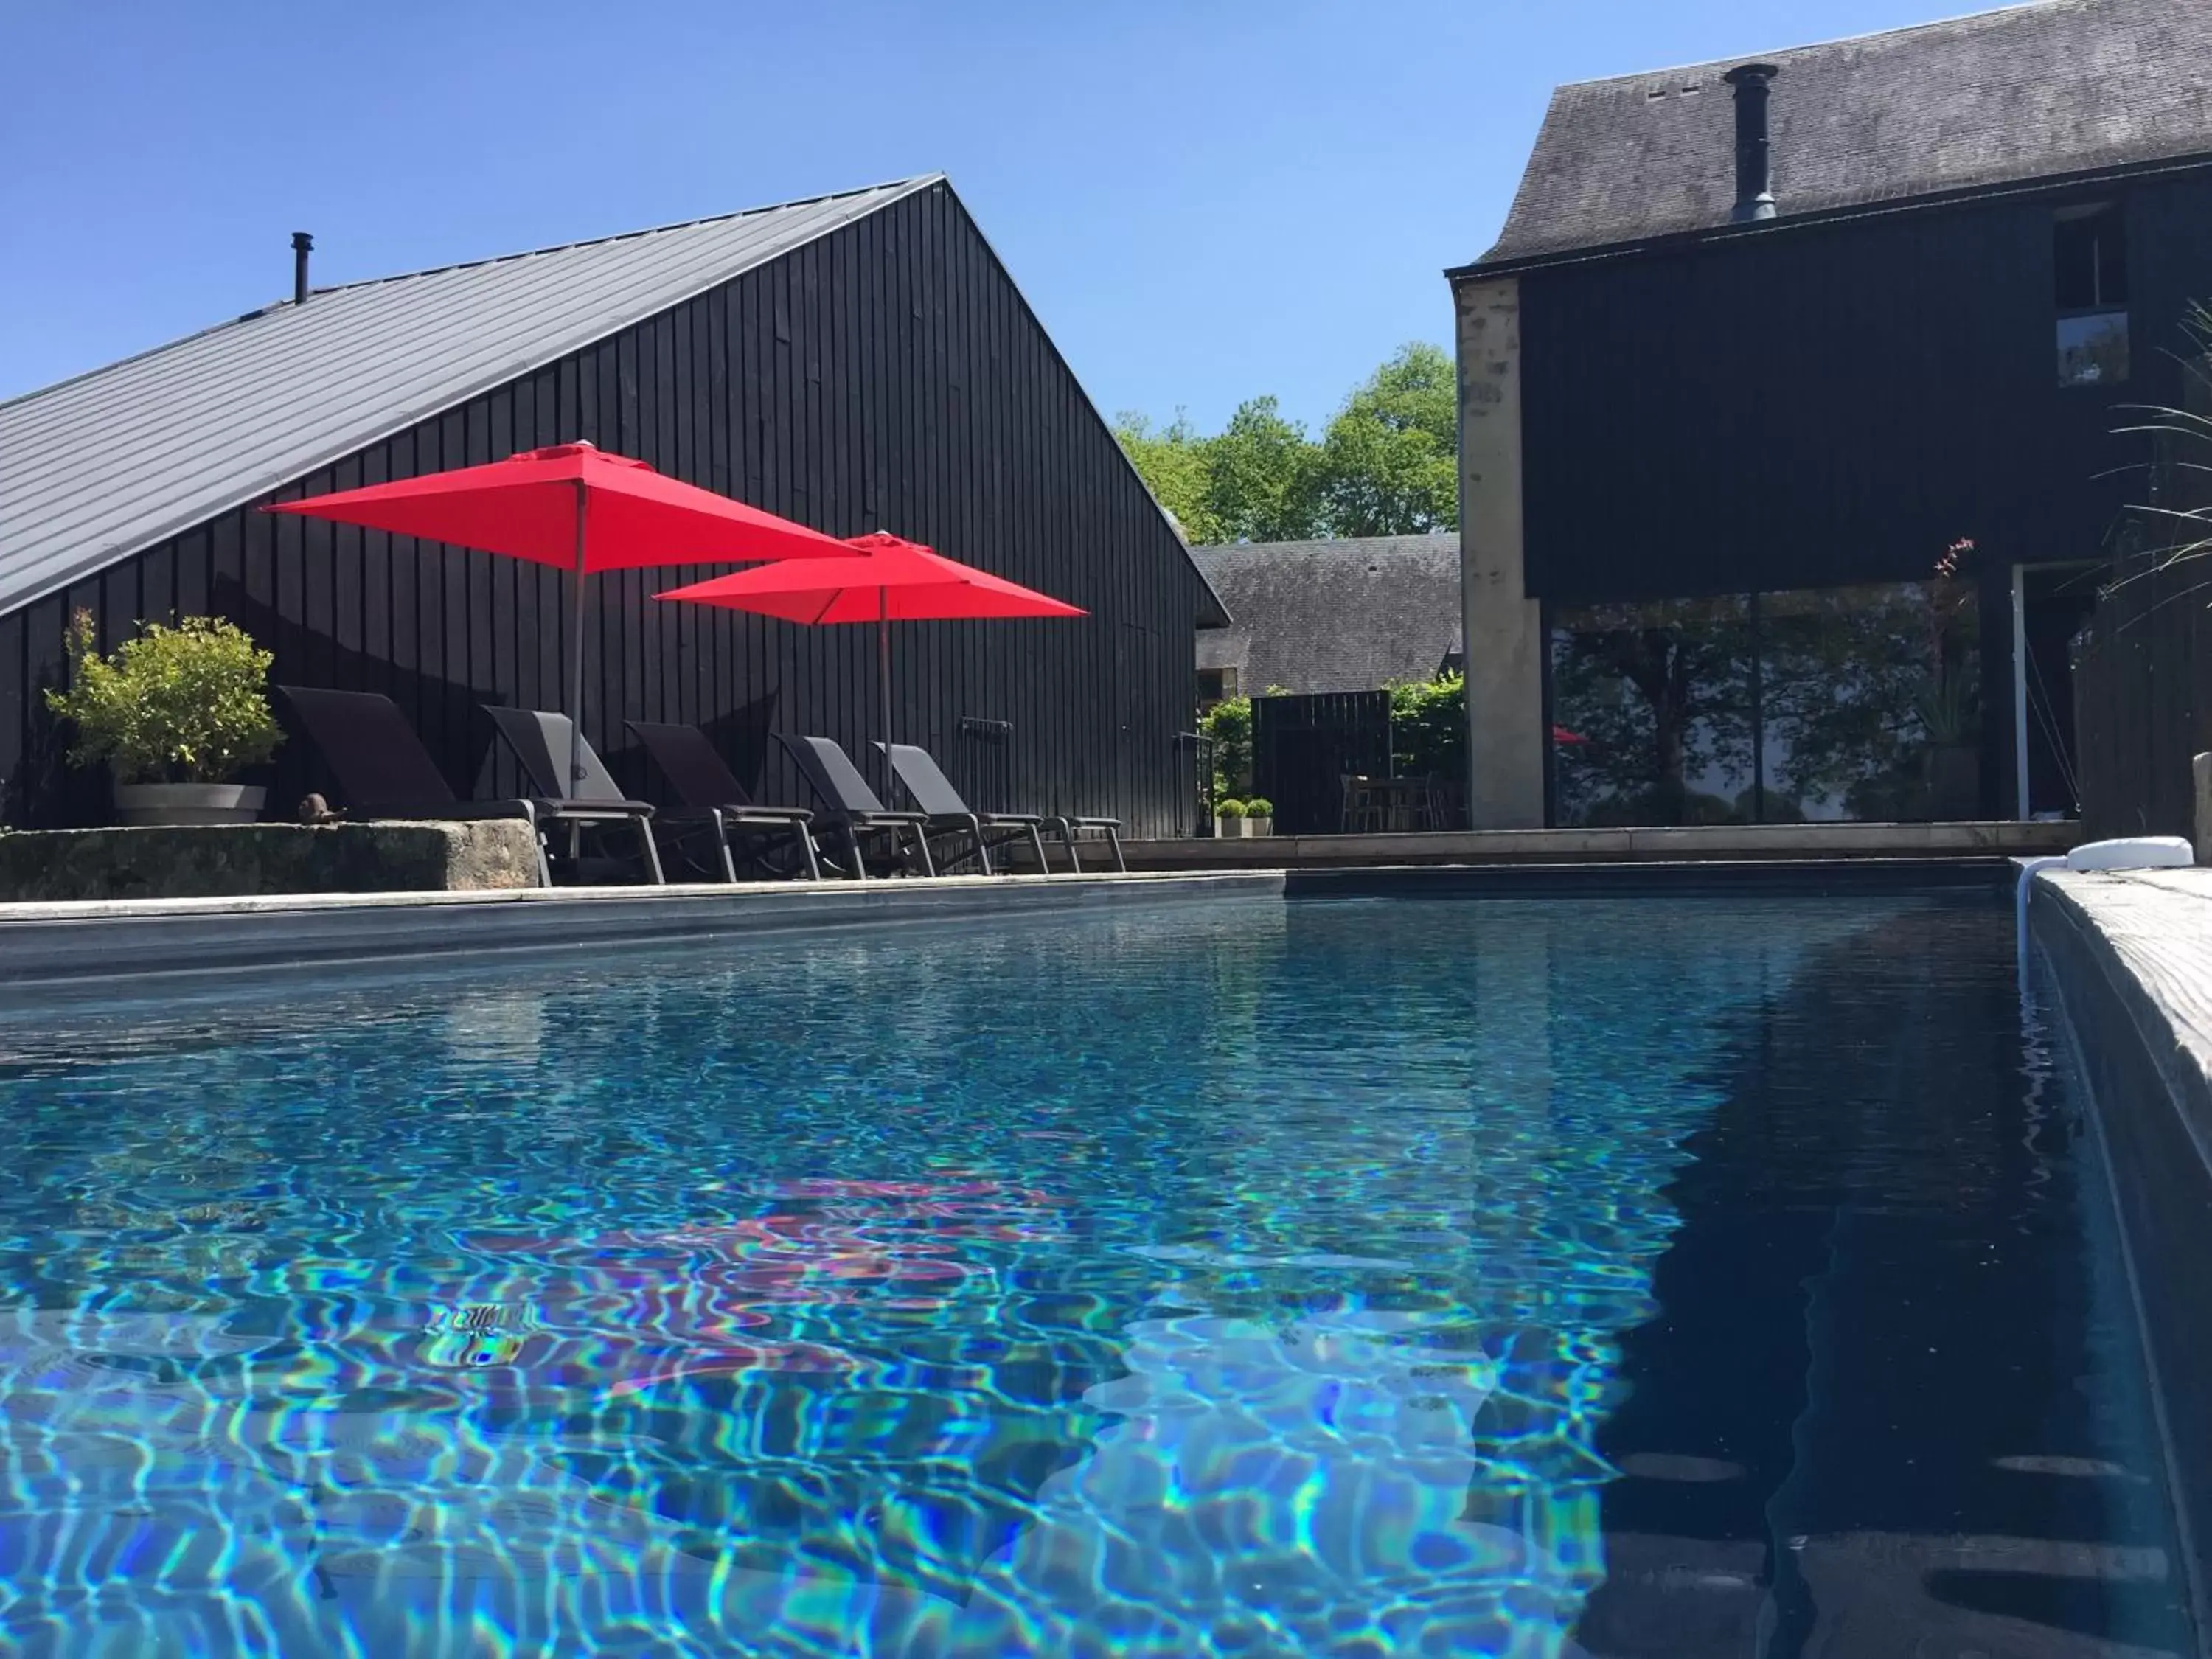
(540,743)
(1363,811)
(940,803)
(933,792)
(383,771)
(707,791)
(850,807)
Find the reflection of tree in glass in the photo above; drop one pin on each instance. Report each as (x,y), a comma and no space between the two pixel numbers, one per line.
(1857,682)
(1662,694)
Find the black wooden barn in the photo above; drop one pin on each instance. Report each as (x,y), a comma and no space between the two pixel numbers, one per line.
(1760,339)
(856,363)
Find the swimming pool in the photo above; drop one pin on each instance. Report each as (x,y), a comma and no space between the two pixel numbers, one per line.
(1360,1276)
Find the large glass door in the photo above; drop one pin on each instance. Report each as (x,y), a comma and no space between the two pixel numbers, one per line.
(2050,602)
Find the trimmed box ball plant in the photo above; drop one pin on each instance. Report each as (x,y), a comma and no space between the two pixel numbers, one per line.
(1229,818)
(1259,815)
(177,714)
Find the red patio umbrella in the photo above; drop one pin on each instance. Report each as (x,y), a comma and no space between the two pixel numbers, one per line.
(890,580)
(577,507)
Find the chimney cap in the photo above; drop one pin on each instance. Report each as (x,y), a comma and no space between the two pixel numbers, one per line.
(302,242)
(1751,74)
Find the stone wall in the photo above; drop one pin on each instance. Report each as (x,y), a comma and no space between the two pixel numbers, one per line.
(253,859)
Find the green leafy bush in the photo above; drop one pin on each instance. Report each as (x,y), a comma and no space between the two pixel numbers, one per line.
(1231,808)
(188,704)
(1428,727)
(1259,807)
(1228,726)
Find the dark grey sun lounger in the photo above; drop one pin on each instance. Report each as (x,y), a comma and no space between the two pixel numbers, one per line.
(849,807)
(383,771)
(541,742)
(707,790)
(933,792)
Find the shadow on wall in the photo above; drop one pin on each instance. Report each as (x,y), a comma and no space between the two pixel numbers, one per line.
(46,792)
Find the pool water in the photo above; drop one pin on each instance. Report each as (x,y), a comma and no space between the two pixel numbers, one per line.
(1359,1278)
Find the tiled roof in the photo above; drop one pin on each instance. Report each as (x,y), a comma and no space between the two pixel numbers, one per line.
(98,467)
(1349,615)
(2001,98)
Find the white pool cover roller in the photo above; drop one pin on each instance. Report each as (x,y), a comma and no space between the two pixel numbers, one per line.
(2133,853)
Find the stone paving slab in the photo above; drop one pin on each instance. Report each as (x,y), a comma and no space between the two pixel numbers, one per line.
(85,944)
(1685,842)
(2130,957)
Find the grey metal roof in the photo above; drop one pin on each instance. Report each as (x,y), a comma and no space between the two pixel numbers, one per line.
(2000,98)
(1350,615)
(96,468)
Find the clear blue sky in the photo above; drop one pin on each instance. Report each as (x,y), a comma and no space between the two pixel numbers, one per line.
(1204,199)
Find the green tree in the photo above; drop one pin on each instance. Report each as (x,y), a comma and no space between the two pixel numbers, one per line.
(1176,464)
(1264,476)
(1388,465)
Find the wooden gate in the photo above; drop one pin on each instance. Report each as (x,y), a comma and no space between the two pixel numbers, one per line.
(1302,748)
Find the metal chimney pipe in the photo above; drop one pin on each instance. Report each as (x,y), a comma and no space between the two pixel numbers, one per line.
(302,245)
(1754,179)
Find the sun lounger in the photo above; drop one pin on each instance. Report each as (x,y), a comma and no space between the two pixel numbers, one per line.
(849,807)
(383,771)
(540,742)
(933,792)
(707,791)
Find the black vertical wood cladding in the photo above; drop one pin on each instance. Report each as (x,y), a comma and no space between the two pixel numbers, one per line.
(1830,405)
(886,377)
(1816,407)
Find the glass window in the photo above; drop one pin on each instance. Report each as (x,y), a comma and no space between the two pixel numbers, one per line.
(1870,703)
(2093,350)
(2090,258)
(1843,703)
(2089,262)
(1651,713)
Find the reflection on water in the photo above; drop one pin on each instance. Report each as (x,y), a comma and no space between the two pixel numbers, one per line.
(1225,1281)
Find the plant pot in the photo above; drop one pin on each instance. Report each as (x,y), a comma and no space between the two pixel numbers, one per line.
(1259,826)
(1954,783)
(182,804)
(1232,828)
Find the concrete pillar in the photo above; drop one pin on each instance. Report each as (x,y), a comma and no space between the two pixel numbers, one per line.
(1504,638)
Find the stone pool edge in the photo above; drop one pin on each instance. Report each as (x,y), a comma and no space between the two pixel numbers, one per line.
(75,945)
(2131,954)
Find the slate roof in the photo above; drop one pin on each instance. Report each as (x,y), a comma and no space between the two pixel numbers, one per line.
(94,469)
(2000,98)
(1351,615)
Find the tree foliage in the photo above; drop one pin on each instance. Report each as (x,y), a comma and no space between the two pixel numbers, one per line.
(1428,727)
(1176,462)
(1389,462)
(1386,465)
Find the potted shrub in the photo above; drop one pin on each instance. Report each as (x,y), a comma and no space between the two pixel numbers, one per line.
(1259,815)
(177,714)
(1229,818)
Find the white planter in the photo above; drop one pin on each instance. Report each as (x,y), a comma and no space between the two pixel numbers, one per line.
(1259,826)
(1232,828)
(180,804)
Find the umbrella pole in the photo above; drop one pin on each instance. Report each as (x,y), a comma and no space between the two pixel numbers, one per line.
(576,655)
(883,678)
